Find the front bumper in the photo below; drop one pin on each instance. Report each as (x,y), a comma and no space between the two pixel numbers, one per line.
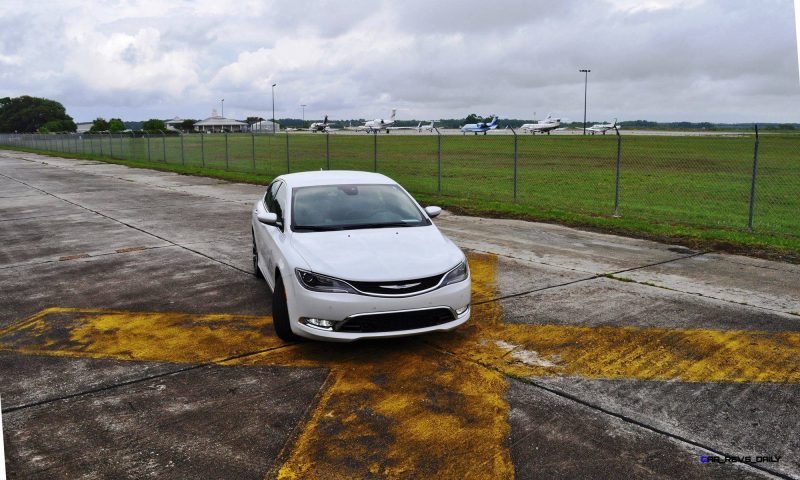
(339,307)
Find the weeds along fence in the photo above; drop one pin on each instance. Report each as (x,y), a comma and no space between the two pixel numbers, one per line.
(735,182)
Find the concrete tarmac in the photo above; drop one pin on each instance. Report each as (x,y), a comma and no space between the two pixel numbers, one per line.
(135,343)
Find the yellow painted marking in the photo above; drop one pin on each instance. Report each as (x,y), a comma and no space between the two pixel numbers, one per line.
(402,408)
(157,336)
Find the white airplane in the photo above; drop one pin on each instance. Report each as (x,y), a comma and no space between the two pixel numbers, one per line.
(480,127)
(546,125)
(375,126)
(425,128)
(602,127)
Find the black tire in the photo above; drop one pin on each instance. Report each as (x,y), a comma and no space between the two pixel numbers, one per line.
(256,270)
(280,313)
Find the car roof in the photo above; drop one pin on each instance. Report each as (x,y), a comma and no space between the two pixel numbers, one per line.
(334,177)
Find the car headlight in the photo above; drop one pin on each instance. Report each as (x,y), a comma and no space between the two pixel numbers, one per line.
(458,274)
(321,283)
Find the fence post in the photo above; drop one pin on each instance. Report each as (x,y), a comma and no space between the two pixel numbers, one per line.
(515,161)
(619,163)
(76,143)
(253,148)
(91,144)
(288,159)
(202,149)
(226,151)
(328,150)
(753,185)
(375,152)
(439,158)
(111,143)
(164,146)
(147,137)
(183,155)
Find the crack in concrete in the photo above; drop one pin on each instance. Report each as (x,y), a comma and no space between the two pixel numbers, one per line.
(211,363)
(608,412)
(128,225)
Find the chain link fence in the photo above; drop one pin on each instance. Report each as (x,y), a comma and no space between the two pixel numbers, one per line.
(736,182)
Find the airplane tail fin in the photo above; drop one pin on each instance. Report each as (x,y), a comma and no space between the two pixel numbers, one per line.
(419,127)
(326,120)
(494,121)
(394,111)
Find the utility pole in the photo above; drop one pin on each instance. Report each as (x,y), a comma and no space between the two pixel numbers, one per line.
(304,115)
(585,89)
(273,108)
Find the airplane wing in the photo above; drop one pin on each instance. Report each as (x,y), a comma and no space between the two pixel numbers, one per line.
(400,128)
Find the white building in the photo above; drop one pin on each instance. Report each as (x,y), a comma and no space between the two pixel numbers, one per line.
(216,124)
(83,127)
(265,126)
(174,125)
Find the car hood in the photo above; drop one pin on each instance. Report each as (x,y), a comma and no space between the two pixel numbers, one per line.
(378,254)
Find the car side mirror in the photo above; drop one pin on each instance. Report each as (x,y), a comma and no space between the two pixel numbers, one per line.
(433,211)
(267,218)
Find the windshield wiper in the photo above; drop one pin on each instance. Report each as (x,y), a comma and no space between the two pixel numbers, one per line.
(316,228)
(377,225)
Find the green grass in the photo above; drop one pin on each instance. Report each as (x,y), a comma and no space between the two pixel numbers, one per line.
(688,190)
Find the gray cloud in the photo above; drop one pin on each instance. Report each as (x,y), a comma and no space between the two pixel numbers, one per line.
(651,59)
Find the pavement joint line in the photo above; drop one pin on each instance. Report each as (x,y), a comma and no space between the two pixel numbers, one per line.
(620,416)
(593,277)
(207,364)
(174,188)
(538,262)
(246,272)
(696,294)
(97,255)
(42,216)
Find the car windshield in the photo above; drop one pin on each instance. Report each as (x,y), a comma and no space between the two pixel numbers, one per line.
(349,207)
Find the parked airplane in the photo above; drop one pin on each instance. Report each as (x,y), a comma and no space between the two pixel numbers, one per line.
(480,127)
(546,125)
(375,126)
(322,126)
(425,128)
(602,127)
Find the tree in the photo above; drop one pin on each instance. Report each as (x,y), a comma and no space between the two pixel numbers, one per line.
(27,114)
(58,126)
(188,125)
(99,125)
(253,120)
(154,125)
(115,125)
(472,118)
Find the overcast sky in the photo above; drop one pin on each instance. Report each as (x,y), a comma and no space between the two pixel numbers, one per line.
(666,60)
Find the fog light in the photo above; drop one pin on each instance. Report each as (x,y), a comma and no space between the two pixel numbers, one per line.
(319,323)
(460,311)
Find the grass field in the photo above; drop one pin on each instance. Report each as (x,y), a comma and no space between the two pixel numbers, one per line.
(694,188)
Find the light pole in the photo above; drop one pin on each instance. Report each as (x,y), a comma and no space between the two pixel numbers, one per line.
(222,107)
(304,115)
(585,87)
(273,108)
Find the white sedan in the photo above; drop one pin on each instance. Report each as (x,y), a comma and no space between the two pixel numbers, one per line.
(350,255)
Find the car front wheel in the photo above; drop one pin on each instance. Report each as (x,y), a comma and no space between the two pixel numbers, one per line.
(280,313)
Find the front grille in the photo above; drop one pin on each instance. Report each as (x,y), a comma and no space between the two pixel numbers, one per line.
(400,287)
(398,321)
